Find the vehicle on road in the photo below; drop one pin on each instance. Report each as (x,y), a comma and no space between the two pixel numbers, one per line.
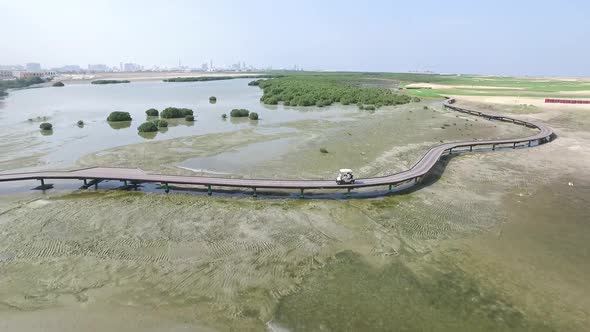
(345,176)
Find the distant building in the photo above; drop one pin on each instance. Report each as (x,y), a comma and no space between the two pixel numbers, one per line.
(6,74)
(98,68)
(33,66)
(131,67)
(30,74)
(68,69)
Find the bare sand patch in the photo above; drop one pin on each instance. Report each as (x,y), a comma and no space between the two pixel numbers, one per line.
(449,87)
(516,100)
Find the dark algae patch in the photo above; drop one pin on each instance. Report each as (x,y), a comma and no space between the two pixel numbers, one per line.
(349,294)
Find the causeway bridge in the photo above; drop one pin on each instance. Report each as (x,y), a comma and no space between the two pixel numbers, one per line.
(94,175)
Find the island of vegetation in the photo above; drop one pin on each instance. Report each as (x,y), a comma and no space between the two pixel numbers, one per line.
(110,81)
(239,113)
(215,78)
(147,127)
(160,123)
(324,90)
(253,116)
(18,84)
(46,126)
(119,116)
(152,112)
(58,84)
(80,123)
(175,113)
(212,99)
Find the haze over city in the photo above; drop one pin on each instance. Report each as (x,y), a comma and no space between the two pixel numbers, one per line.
(491,37)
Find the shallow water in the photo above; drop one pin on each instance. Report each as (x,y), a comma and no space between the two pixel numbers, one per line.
(20,139)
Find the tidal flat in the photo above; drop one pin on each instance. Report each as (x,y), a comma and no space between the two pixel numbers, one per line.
(496,241)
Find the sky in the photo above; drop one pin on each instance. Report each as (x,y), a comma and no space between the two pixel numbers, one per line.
(454,36)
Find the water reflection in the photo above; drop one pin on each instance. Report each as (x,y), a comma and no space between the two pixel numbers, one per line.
(150,135)
(46,132)
(120,124)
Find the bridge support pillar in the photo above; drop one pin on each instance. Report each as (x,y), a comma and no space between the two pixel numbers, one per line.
(471,148)
(450,150)
(125,183)
(166,188)
(514,145)
(301,193)
(96,185)
(390,188)
(43,185)
(209,191)
(530,142)
(493,147)
(85,182)
(348,193)
(255,194)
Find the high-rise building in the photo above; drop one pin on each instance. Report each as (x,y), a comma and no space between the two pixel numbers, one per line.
(98,68)
(33,66)
(131,67)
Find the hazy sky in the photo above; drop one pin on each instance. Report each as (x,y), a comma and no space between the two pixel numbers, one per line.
(489,37)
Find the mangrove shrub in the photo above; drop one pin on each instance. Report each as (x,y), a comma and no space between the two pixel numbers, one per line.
(253,116)
(110,81)
(189,118)
(239,113)
(46,126)
(119,116)
(161,123)
(152,112)
(324,90)
(147,127)
(58,84)
(175,113)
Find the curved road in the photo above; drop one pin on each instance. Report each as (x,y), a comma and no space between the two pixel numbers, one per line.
(416,173)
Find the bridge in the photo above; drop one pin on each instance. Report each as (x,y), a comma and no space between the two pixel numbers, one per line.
(94,175)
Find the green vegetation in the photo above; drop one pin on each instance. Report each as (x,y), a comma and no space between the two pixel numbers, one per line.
(119,116)
(253,116)
(323,150)
(46,126)
(175,113)
(214,78)
(147,127)
(415,99)
(224,116)
(239,113)
(212,99)
(18,84)
(324,90)
(58,84)
(152,112)
(189,118)
(80,123)
(110,81)
(254,83)
(160,123)
(368,108)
